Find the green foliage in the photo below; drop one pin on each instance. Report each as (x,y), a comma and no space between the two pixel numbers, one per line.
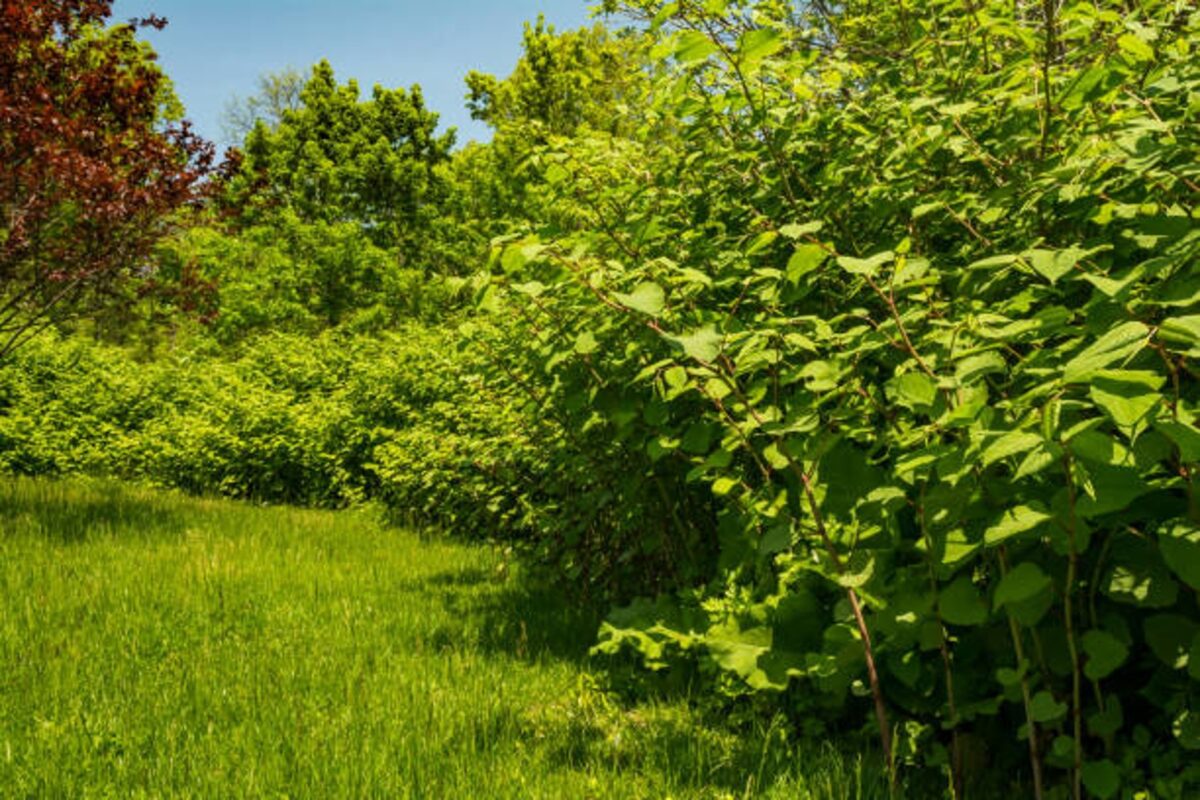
(910,293)
(303,277)
(844,349)
(293,419)
(588,78)
(277,94)
(340,158)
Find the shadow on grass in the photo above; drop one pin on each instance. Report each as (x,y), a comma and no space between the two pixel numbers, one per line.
(695,756)
(71,512)
(513,618)
(468,578)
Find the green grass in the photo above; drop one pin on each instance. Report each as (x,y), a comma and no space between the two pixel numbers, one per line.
(153,645)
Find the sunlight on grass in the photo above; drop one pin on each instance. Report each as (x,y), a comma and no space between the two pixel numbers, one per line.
(156,645)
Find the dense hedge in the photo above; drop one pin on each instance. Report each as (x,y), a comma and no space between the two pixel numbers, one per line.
(293,419)
(913,293)
(402,418)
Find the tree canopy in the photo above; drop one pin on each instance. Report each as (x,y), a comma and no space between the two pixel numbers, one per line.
(88,172)
(337,157)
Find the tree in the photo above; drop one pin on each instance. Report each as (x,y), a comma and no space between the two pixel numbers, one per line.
(589,83)
(564,81)
(89,171)
(278,93)
(338,158)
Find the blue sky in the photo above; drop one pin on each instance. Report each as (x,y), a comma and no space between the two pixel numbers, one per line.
(214,49)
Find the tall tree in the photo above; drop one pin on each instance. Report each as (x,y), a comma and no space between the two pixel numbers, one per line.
(89,172)
(278,93)
(565,81)
(339,158)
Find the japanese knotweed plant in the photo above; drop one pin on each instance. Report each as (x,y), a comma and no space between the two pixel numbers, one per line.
(912,293)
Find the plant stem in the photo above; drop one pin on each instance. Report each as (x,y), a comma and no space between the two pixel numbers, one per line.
(1069,621)
(1035,760)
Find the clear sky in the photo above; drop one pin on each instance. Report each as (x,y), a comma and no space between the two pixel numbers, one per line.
(214,49)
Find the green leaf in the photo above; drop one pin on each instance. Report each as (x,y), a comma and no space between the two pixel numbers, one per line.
(1053,264)
(693,47)
(1105,653)
(958,548)
(531,289)
(865,266)
(972,368)
(775,668)
(1100,448)
(925,209)
(738,651)
(1038,459)
(1141,584)
(1114,489)
(1185,437)
(1182,331)
(1109,721)
(807,258)
(1170,638)
(1180,547)
(961,604)
(702,344)
(777,539)
(586,343)
(1009,677)
(1091,85)
(759,44)
(911,270)
(1186,729)
(1010,444)
(1044,708)
(913,390)
(1127,397)
(992,262)
(1016,521)
(761,242)
(1102,779)
(775,457)
(1113,287)
(958,109)
(1030,612)
(798,231)
(859,569)
(1022,582)
(723,486)
(513,259)
(1194,659)
(1135,48)
(820,376)
(648,298)
(1118,344)
(697,439)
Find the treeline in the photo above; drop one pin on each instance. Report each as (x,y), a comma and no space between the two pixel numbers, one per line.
(844,349)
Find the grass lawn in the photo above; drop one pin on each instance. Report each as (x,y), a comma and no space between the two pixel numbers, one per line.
(153,645)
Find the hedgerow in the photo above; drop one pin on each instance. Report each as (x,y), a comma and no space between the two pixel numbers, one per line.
(911,292)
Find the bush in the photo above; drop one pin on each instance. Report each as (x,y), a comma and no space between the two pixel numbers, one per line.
(911,296)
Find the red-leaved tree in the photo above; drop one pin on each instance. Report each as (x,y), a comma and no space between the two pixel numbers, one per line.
(89,173)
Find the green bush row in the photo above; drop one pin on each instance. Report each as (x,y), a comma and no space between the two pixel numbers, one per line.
(290,419)
(403,418)
(911,296)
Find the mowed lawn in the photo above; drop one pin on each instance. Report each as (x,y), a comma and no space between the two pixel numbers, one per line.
(153,645)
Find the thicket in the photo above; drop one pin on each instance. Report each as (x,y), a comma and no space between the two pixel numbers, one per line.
(910,290)
(844,349)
